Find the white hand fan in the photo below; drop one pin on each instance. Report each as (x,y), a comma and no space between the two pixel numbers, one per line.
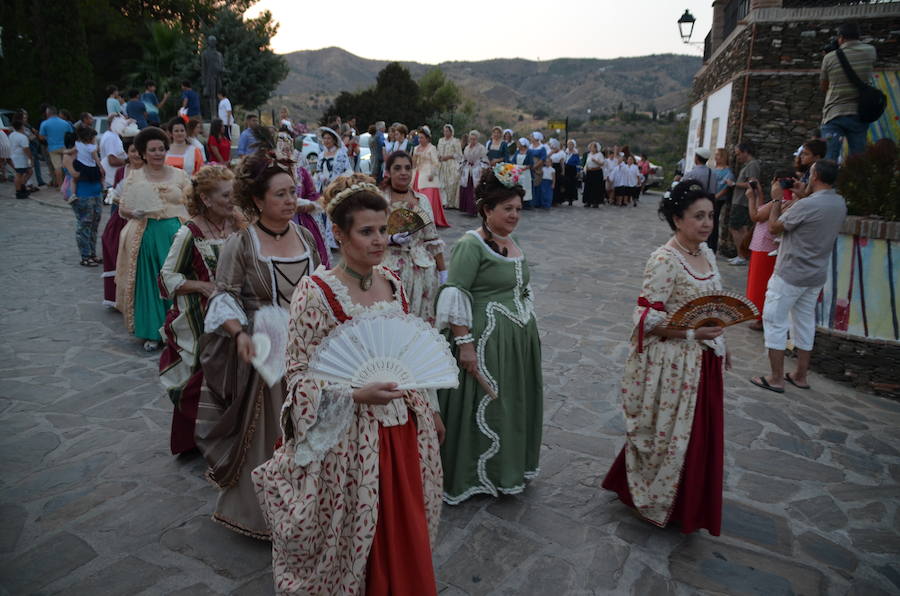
(401,349)
(270,330)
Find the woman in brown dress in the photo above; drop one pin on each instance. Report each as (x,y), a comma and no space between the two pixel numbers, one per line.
(237,418)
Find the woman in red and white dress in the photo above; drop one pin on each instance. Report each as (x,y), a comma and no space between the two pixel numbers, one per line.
(353,496)
(671,467)
(427,179)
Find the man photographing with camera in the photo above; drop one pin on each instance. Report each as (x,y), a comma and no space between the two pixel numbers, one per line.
(808,231)
(840,113)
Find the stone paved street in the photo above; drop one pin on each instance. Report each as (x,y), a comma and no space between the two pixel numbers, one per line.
(91,501)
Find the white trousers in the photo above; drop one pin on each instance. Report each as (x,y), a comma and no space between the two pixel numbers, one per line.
(793,308)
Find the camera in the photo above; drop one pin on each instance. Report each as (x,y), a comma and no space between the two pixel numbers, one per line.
(786,183)
(831,46)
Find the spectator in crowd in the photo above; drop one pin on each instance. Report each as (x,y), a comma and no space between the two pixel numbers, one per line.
(808,231)
(190,101)
(763,247)
(152,103)
(53,131)
(284,118)
(136,110)
(113,105)
(85,119)
(219,145)
(181,153)
(5,151)
(840,112)
(739,222)
(724,178)
(20,154)
(190,128)
(376,147)
(645,169)
(247,140)
(112,152)
(701,173)
(594,183)
(87,202)
(810,152)
(226,115)
(36,150)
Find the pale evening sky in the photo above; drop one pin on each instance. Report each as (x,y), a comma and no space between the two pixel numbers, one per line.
(433,31)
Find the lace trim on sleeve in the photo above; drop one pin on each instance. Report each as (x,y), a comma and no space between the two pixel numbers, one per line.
(453,308)
(222,307)
(653,320)
(336,408)
(717,345)
(432,399)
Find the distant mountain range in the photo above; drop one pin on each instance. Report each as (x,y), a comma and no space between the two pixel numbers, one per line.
(504,88)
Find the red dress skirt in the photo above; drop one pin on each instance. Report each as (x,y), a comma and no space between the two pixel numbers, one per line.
(400,560)
(698,503)
(434,197)
(758,273)
(110,244)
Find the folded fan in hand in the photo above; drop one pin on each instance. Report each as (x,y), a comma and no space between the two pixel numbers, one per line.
(720,309)
(270,325)
(406,220)
(400,349)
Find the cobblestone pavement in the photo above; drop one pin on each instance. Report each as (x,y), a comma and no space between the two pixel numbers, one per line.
(91,501)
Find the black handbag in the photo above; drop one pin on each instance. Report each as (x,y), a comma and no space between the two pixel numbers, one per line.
(872,102)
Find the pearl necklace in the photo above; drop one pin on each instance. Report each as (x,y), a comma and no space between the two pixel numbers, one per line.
(696,253)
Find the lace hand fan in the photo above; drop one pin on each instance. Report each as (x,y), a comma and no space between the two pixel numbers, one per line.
(406,220)
(398,349)
(720,309)
(270,330)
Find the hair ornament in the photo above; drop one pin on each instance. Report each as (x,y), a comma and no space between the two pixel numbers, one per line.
(507,174)
(347,192)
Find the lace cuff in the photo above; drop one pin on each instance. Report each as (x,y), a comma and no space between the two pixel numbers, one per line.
(172,281)
(654,319)
(434,247)
(453,308)
(717,345)
(222,307)
(431,398)
(336,408)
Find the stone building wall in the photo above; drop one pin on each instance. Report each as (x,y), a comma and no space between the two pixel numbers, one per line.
(777,60)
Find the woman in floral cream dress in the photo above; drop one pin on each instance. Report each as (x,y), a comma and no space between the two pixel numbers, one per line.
(353,494)
(670,469)
(417,258)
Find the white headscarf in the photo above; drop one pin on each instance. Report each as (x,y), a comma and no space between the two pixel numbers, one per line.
(537,136)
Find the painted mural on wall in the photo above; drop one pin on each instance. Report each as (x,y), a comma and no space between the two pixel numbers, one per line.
(861,294)
(888,126)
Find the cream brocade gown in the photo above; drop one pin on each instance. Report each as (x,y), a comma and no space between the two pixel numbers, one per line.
(449,171)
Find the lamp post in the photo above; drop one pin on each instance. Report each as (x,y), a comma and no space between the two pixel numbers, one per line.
(686,26)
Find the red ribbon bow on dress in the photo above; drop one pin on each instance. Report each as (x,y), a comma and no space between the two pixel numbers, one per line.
(647,306)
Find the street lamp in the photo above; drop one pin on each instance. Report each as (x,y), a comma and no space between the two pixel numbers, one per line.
(686,26)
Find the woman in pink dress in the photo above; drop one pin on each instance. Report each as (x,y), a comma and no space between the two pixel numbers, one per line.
(426,179)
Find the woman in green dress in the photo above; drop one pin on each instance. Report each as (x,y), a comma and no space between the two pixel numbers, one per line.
(494,417)
(153,199)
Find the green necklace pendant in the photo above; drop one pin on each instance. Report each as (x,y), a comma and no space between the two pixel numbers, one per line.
(365,281)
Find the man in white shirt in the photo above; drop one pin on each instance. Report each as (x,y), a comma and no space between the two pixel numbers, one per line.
(225,113)
(112,152)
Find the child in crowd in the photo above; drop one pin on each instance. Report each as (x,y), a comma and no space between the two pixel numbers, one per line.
(548,183)
(20,154)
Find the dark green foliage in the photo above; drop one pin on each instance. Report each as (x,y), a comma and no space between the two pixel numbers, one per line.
(45,55)
(396,97)
(67,51)
(870,182)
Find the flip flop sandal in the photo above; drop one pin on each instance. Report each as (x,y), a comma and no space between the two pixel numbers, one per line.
(790,379)
(764,384)
(87,263)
